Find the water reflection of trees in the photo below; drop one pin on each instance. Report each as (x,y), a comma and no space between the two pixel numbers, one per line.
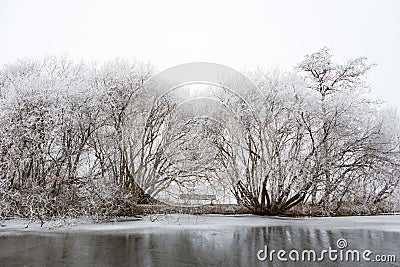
(211,247)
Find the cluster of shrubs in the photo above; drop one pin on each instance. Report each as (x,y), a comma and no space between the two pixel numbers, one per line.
(90,200)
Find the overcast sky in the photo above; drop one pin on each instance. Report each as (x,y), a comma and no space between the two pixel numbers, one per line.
(239,34)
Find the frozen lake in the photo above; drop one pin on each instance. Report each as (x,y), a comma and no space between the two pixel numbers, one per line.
(209,240)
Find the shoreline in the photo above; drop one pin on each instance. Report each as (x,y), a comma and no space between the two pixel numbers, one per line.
(176,222)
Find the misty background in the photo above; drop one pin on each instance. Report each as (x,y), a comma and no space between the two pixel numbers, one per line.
(241,34)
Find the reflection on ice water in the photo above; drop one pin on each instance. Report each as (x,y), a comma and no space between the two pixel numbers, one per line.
(171,242)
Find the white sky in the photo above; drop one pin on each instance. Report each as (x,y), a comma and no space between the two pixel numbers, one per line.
(239,34)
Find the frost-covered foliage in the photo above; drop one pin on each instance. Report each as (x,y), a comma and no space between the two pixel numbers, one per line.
(355,142)
(59,125)
(317,140)
(88,140)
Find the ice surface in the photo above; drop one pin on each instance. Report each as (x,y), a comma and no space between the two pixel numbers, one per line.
(189,240)
(159,223)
